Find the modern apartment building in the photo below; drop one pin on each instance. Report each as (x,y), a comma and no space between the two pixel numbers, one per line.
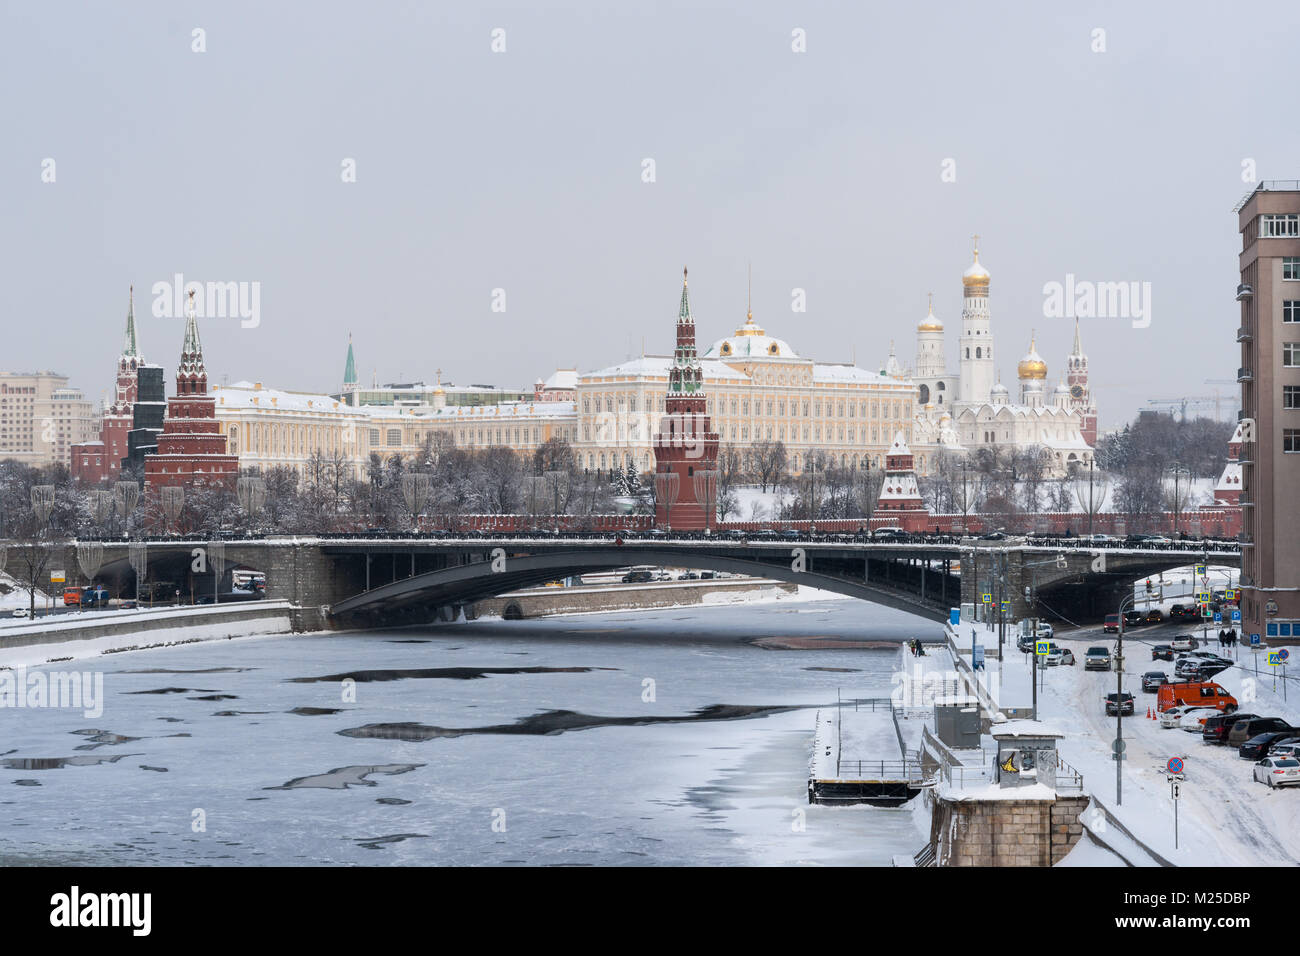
(1269,293)
(41,418)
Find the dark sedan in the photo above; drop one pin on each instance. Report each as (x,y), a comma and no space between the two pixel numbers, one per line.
(1125,704)
(1258,746)
(1162,652)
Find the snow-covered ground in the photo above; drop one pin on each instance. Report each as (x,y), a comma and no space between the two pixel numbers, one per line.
(1225,816)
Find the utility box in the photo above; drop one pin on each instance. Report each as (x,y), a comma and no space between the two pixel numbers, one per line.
(1026,754)
(957,721)
(968,612)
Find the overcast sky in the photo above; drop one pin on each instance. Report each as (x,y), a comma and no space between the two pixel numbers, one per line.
(523,171)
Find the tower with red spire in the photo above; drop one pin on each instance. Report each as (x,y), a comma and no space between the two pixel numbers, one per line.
(191,447)
(686,447)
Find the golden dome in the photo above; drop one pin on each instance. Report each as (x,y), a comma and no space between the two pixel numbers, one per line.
(1032,365)
(931,322)
(976,275)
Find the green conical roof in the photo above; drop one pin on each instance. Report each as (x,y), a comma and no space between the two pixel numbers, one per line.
(685,311)
(350,369)
(129,345)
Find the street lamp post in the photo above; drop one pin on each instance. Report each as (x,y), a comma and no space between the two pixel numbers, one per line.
(1119,705)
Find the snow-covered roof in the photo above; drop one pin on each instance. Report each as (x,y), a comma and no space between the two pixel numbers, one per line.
(850,374)
(657,366)
(251,395)
(563,378)
(504,410)
(1025,728)
(751,345)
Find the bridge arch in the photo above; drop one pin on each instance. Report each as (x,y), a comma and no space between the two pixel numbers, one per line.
(475,581)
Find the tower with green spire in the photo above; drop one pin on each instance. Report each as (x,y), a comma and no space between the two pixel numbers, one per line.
(350,385)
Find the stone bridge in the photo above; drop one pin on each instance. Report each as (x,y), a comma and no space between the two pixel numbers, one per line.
(352,582)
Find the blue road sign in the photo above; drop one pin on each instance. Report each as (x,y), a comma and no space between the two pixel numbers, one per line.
(1175,765)
(1283,654)
(1218,617)
(1236,616)
(1254,640)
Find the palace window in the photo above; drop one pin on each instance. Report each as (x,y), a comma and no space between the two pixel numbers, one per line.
(394,437)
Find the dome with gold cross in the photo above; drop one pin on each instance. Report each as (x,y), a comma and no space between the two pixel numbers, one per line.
(931,322)
(976,277)
(1032,365)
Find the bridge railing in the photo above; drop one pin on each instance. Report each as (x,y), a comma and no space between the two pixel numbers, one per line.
(909,769)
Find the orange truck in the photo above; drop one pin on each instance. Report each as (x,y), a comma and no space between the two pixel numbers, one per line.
(1201,693)
(71,597)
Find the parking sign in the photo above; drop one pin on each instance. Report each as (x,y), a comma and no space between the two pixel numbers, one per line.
(1236,616)
(1218,617)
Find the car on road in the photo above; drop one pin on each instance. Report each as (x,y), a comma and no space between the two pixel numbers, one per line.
(1245,730)
(993,536)
(1125,706)
(688,576)
(1199,668)
(1045,632)
(638,577)
(1096,659)
(1111,624)
(1152,680)
(790,534)
(1184,642)
(1162,652)
(1154,616)
(1133,619)
(1278,771)
(22,612)
(1215,730)
(888,534)
(1259,745)
(1059,655)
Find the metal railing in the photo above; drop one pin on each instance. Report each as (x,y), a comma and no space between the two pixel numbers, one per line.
(909,770)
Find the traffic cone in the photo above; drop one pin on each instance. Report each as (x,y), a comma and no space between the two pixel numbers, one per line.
(1149,717)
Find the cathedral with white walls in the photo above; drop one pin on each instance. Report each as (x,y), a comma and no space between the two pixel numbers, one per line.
(971,408)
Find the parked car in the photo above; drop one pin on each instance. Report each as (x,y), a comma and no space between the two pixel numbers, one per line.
(1278,771)
(638,577)
(1162,652)
(1125,704)
(1258,746)
(1111,624)
(1193,721)
(22,612)
(1097,659)
(1173,716)
(1245,730)
(1290,747)
(1152,680)
(688,576)
(1184,642)
(1215,730)
(1191,668)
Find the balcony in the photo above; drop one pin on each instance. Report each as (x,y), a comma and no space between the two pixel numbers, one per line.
(1244,334)
(1244,292)
(1245,375)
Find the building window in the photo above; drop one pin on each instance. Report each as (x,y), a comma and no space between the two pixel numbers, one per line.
(1291,396)
(1291,268)
(1291,310)
(1291,355)
(1291,440)
(1279,226)
(394,437)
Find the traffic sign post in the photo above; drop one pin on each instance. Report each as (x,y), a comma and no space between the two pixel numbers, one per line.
(1175,791)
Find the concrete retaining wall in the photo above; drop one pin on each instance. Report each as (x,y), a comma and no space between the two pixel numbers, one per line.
(206,623)
(540,602)
(1006,832)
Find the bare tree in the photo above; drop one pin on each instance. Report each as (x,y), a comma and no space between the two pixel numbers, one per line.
(768,462)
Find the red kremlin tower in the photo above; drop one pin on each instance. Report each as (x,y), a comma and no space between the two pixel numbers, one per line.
(900,501)
(95,461)
(191,448)
(686,448)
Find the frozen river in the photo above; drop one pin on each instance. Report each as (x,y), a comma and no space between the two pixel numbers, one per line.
(568,741)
